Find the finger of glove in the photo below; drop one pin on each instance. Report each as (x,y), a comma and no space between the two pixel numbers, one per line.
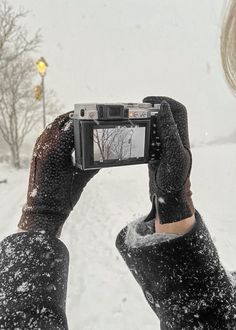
(65,137)
(175,163)
(62,131)
(179,113)
(167,131)
(52,129)
(57,138)
(59,121)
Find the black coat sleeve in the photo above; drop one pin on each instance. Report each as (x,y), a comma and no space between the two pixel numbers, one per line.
(33,282)
(182,279)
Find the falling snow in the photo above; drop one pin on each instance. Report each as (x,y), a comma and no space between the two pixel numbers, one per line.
(113,199)
(34,192)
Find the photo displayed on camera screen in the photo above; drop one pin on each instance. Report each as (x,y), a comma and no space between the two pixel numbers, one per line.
(118,143)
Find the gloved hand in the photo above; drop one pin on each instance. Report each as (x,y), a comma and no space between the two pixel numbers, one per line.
(55,184)
(169,177)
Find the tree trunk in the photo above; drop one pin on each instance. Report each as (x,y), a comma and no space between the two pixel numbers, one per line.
(17,160)
(15,156)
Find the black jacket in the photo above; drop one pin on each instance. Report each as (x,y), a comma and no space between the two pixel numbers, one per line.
(182,280)
(33,282)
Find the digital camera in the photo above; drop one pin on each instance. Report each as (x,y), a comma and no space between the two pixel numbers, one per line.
(115,134)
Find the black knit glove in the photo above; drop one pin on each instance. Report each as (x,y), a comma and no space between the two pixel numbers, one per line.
(55,184)
(169,177)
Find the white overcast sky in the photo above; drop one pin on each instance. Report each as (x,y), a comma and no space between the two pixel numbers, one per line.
(124,50)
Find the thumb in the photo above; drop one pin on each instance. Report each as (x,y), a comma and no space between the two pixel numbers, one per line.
(66,135)
(63,136)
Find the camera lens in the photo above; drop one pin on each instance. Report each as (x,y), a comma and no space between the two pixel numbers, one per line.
(82,112)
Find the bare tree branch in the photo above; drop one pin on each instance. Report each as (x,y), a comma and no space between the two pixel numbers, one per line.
(14,39)
(19,111)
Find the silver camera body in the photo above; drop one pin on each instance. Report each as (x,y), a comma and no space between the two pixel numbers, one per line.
(115,134)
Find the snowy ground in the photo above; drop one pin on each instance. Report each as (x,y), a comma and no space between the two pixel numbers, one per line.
(102,295)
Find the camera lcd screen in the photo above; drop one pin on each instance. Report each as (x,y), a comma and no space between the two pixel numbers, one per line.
(118,143)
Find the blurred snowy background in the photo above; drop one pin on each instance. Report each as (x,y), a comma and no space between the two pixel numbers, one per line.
(123,51)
